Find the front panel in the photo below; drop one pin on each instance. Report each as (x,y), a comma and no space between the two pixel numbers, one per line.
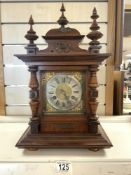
(63,95)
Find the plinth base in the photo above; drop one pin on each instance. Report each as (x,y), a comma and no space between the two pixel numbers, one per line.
(93,142)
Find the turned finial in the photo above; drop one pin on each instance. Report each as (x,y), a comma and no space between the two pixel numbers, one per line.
(62,20)
(31,36)
(94,35)
(31,21)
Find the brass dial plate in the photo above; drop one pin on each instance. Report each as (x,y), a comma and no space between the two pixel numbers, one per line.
(63,91)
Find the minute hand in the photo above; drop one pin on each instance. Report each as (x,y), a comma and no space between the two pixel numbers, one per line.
(64,93)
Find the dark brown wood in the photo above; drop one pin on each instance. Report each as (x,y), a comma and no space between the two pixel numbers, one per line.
(73,123)
(93,94)
(31,36)
(94,35)
(62,20)
(93,142)
(34,103)
(79,129)
(118,91)
(118,75)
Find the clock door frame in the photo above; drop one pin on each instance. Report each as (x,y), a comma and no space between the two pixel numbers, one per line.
(65,123)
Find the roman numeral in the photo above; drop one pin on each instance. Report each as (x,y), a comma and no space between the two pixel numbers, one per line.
(63,79)
(74,85)
(57,81)
(54,98)
(63,104)
(69,80)
(51,92)
(57,102)
(76,91)
(69,102)
(74,98)
(52,86)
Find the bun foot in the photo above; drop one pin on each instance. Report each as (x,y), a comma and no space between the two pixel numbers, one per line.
(94,149)
(32,149)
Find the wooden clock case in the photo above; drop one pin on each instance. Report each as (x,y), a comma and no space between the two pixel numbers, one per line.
(64,54)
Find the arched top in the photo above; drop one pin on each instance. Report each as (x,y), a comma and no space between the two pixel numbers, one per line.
(65,40)
(62,30)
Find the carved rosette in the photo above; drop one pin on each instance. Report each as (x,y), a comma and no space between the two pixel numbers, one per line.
(34,96)
(62,47)
(93,104)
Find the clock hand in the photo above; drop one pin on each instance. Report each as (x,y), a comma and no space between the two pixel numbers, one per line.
(67,98)
(64,93)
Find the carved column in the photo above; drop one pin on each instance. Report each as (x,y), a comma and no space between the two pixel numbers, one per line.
(34,96)
(93,94)
(94,48)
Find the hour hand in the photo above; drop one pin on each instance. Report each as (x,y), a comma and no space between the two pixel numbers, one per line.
(65,95)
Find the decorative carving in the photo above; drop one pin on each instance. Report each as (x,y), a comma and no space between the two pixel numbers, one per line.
(31,36)
(93,93)
(63,39)
(63,47)
(94,35)
(34,103)
(33,94)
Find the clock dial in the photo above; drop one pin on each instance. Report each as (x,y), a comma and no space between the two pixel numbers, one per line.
(63,92)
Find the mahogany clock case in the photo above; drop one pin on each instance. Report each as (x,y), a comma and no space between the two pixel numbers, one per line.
(64,116)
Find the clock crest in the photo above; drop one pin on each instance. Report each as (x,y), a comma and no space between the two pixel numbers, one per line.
(63,89)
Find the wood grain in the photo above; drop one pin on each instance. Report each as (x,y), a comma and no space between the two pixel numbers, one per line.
(118,91)
(110,61)
(118,76)
(9,50)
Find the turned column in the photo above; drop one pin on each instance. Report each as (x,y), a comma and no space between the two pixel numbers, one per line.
(34,85)
(34,96)
(93,104)
(94,47)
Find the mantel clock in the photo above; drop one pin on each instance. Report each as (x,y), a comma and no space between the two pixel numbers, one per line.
(63,89)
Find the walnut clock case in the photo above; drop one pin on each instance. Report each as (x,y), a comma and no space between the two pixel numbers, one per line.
(63,89)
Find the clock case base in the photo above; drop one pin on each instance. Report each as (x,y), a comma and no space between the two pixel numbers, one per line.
(93,142)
